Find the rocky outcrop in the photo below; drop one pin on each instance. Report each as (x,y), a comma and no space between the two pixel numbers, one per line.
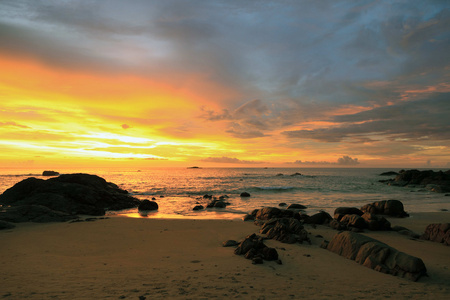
(285,230)
(352,218)
(69,194)
(376,255)
(245,194)
(253,247)
(434,181)
(392,208)
(439,233)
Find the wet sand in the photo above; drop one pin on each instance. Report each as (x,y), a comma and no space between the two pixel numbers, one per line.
(127,258)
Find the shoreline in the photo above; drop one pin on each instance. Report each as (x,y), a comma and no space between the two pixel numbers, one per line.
(124,258)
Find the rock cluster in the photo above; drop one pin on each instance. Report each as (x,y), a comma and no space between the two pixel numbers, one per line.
(253,247)
(376,255)
(439,233)
(62,198)
(431,180)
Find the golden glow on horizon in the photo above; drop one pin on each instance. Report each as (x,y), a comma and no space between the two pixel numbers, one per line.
(63,117)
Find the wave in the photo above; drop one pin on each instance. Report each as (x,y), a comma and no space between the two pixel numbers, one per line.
(275,188)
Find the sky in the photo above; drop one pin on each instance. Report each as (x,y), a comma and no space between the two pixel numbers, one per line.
(242,83)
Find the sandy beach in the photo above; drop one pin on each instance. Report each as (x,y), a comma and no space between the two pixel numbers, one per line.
(129,258)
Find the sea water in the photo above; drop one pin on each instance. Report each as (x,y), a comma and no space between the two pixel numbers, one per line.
(178,190)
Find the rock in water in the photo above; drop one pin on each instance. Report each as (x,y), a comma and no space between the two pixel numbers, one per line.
(69,193)
(148,205)
(376,255)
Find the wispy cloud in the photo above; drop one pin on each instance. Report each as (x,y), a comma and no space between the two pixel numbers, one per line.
(229,160)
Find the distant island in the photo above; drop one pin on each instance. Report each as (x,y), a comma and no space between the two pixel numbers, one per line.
(194,167)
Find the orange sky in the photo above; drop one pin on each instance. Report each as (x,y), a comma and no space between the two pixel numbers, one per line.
(149,85)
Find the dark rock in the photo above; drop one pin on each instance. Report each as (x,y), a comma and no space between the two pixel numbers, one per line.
(6,225)
(269,253)
(282,204)
(390,173)
(207,196)
(285,230)
(33,213)
(296,206)
(230,243)
(248,217)
(296,174)
(348,211)
(392,208)
(198,207)
(439,233)
(245,194)
(69,193)
(148,205)
(376,255)
(319,218)
(280,174)
(217,204)
(354,221)
(375,222)
(50,173)
(257,260)
(267,213)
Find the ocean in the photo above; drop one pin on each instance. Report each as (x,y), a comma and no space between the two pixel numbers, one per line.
(178,190)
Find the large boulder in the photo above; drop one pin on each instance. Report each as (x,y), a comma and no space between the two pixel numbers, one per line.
(69,193)
(392,208)
(376,255)
(439,233)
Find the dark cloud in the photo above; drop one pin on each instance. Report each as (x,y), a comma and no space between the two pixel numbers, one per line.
(125,126)
(347,161)
(229,160)
(418,120)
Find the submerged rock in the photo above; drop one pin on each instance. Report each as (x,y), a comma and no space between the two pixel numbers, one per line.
(376,255)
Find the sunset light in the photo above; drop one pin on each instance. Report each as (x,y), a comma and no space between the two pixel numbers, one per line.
(181,89)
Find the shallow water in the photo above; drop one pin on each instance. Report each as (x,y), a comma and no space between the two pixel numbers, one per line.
(178,190)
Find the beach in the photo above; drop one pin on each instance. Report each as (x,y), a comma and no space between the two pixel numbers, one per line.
(138,258)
